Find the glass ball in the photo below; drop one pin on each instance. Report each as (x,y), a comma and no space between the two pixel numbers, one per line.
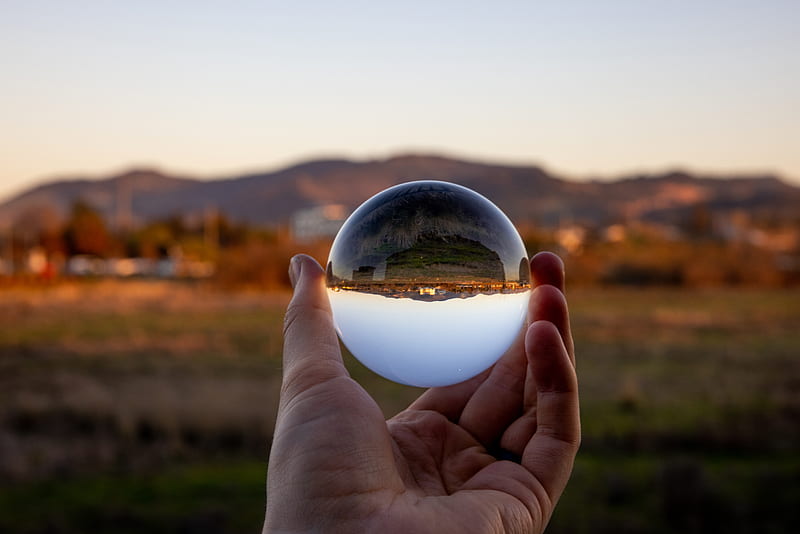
(429,283)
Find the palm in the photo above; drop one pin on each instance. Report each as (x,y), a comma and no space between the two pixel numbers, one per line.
(434,456)
(453,478)
(431,468)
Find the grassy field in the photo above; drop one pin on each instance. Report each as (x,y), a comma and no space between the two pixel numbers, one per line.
(148,407)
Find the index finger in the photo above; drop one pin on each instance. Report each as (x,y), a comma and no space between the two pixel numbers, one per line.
(551,451)
(548,302)
(547,268)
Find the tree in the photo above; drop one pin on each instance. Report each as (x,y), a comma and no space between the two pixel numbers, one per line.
(86,231)
(699,223)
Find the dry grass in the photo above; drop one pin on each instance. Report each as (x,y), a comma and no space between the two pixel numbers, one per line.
(128,374)
(115,379)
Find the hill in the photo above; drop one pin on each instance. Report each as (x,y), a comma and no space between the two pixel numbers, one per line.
(525,193)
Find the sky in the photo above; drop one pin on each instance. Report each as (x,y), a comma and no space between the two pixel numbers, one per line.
(586,89)
(428,344)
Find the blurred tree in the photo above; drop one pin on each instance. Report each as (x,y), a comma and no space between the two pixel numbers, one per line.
(229,234)
(699,223)
(155,239)
(86,232)
(41,224)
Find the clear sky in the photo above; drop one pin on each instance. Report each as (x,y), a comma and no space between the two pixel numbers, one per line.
(585,88)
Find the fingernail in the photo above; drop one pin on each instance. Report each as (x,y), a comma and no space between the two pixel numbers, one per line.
(294,270)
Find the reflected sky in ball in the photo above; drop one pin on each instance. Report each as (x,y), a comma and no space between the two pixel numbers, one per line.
(427,344)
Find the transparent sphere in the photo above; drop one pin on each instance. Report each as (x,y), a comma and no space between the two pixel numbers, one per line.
(429,283)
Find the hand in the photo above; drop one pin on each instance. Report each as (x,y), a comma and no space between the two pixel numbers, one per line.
(489,455)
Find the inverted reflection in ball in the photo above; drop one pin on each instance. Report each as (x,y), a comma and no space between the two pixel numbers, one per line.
(429,283)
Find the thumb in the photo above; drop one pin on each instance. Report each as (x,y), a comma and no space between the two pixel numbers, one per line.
(311,352)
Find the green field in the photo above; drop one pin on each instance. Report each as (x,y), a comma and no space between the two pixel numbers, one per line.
(148,407)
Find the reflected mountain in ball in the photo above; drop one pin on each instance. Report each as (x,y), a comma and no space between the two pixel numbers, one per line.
(428,234)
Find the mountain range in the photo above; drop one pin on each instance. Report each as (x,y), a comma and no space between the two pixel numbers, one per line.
(525,193)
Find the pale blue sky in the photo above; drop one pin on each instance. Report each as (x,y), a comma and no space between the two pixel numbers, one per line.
(215,88)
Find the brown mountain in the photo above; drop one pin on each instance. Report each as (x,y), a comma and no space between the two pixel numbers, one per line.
(525,193)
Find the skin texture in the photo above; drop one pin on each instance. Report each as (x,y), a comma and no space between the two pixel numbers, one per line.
(489,455)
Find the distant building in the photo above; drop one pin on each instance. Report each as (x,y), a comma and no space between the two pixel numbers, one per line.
(571,238)
(616,233)
(36,262)
(173,266)
(318,222)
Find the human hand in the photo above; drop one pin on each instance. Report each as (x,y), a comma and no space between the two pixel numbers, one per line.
(490,455)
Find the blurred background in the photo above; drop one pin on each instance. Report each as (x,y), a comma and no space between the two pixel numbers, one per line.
(162,162)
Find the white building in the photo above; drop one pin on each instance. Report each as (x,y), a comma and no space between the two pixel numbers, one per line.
(318,222)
